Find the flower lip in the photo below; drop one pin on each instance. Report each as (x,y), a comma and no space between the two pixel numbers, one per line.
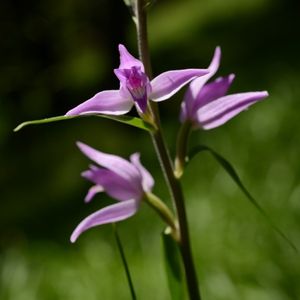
(136,82)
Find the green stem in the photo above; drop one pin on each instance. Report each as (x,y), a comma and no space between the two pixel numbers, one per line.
(166,164)
(178,200)
(163,210)
(142,35)
(124,261)
(181,149)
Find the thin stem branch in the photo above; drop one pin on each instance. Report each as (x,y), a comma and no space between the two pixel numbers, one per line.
(165,213)
(181,149)
(124,262)
(166,164)
(142,35)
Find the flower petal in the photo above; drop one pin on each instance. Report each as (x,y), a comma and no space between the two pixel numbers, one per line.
(127,61)
(213,90)
(188,104)
(113,213)
(147,179)
(95,189)
(223,109)
(114,163)
(106,102)
(113,184)
(168,83)
(198,83)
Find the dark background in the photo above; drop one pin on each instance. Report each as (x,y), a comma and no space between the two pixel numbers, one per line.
(54,55)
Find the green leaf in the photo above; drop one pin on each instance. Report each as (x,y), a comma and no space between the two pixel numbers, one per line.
(173,267)
(233,174)
(124,262)
(133,121)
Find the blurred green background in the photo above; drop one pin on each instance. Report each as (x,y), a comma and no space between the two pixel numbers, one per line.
(54,55)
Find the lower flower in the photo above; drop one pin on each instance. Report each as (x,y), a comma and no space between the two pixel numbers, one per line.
(125,181)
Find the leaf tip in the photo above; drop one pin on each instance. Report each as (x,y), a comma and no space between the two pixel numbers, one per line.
(19,127)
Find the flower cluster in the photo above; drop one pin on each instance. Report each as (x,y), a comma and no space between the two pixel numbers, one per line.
(205,105)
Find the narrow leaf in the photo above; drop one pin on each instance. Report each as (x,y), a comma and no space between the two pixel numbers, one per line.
(133,121)
(124,262)
(173,267)
(234,175)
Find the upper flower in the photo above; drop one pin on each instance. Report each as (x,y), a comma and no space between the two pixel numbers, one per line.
(136,88)
(206,105)
(126,181)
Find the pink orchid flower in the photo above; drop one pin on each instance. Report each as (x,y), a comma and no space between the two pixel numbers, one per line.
(206,104)
(125,181)
(136,88)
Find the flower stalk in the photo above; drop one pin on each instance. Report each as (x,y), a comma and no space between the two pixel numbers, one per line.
(165,213)
(181,149)
(166,164)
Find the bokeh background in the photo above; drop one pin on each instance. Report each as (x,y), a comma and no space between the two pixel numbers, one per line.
(54,55)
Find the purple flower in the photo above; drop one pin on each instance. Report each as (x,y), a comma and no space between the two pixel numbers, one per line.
(206,105)
(135,88)
(126,181)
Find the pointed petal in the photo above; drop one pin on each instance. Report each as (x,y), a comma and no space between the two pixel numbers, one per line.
(213,90)
(95,189)
(113,184)
(127,61)
(215,62)
(113,213)
(147,179)
(114,163)
(198,83)
(223,109)
(107,102)
(168,83)
(187,106)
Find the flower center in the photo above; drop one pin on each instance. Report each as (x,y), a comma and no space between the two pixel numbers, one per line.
(137,84)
